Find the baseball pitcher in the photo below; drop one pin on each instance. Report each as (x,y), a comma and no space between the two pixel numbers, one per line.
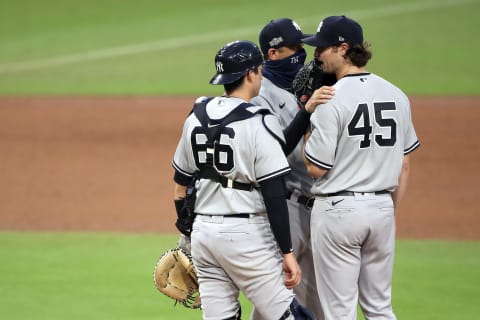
(358,153)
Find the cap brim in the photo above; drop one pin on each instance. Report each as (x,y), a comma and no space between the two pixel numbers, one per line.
(225,78)
(295,42)
(314,41)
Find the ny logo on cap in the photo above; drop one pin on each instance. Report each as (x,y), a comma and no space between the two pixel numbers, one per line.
(296,26)
(219,66)
(320,26)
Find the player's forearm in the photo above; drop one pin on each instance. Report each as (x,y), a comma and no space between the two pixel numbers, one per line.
(295,130)
(277,211)
(274,196)
(399,193)
(179,192)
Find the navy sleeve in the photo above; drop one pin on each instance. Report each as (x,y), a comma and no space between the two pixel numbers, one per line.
(295,130)
(182,179)
(274,195)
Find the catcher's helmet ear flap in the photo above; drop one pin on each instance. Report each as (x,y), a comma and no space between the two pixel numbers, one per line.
(234,60)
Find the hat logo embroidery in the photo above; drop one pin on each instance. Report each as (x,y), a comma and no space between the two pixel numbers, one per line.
(320,26)
(275,41)
(219,66)
(340,38)
(296,26)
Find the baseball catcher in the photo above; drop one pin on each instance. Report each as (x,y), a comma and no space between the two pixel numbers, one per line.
(175,276)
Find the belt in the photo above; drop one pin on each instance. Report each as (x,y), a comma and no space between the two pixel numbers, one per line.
(235,215)
(307,201)
(351,193)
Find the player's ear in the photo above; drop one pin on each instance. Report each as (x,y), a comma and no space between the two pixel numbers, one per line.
(249,76)
(272,53)
(343,47)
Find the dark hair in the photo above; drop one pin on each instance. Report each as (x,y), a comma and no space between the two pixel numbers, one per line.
(359,54)
(294,47)
(229,87)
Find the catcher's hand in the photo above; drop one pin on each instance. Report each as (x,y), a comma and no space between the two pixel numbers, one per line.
(175,276)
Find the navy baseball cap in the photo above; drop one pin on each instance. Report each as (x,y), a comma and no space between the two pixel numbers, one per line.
(234,60)
(336,30)
(280,33)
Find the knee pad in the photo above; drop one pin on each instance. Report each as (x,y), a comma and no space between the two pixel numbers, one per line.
(298,311)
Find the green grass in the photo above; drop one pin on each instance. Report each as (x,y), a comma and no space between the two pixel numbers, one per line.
(109,276)
(436,280)
(422,46)
(83,276)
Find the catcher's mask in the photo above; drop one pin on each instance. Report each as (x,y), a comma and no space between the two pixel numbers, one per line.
(234,60)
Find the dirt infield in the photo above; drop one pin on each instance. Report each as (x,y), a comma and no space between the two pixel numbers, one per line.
(96,164)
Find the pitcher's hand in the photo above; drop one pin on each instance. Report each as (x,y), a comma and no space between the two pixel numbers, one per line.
(320,96)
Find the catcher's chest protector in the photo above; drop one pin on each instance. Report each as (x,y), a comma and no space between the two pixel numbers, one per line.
(212,129)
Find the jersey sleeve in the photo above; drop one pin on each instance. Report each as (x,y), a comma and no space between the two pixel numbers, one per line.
(411,140)
(183,161)
(321,145)
(270,161)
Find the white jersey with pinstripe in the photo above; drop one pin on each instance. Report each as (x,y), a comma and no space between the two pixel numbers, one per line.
(361,137)
(248,152)
(284,105)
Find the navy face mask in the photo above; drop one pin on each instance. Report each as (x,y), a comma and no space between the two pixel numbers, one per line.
(282,72)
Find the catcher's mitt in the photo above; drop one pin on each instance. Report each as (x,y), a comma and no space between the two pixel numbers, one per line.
(175,276)
(308,79)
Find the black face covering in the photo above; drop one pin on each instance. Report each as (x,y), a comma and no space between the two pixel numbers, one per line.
(282,72)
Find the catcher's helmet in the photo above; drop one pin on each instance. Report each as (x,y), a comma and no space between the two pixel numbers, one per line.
(234,60)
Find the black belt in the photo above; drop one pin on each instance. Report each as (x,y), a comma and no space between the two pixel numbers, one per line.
(235,215)
(351,193)
(307,201)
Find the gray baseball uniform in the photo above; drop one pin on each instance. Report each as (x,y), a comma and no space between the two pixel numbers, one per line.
(361,139)
(284,105)
(233,253)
